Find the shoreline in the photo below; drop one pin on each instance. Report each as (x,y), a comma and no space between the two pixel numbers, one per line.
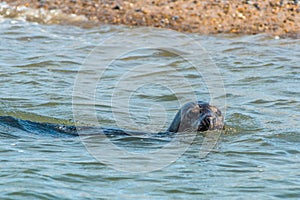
(203,17)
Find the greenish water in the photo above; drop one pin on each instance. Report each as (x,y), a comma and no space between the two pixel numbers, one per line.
(258,157)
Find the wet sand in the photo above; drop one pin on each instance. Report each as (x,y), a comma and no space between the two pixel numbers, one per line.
(277,18)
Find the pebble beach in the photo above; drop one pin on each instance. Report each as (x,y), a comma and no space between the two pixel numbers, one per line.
(277,18)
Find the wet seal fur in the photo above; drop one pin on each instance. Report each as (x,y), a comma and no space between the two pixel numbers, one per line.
(192,117)
(197,116)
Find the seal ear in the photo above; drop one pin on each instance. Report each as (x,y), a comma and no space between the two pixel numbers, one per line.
(175,123)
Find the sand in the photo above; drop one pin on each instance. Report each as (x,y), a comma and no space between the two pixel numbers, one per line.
(276,17)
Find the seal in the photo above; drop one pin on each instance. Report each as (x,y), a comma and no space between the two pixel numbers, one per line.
(192,117)
(197,116)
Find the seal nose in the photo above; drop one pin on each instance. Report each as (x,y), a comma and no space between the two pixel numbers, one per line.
(212,122)
(209,122)
(205,123)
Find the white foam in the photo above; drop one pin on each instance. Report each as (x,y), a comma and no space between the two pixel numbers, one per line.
(39,15)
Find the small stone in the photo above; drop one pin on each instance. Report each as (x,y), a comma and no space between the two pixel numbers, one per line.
(241,16)
(175,17)
(256,6)
(116,7)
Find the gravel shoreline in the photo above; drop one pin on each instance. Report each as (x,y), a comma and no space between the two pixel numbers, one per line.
(277,18)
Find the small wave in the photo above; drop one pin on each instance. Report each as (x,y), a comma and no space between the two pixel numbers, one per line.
(25,127)
(40,15)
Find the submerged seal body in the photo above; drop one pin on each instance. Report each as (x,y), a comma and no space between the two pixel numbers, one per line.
(197,116)
(192,117)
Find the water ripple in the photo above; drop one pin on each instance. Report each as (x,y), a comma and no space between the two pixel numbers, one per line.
(258,156)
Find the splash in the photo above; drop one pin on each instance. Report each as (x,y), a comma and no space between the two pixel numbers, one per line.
(40,15)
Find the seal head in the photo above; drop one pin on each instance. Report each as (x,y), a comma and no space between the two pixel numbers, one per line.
(197,116)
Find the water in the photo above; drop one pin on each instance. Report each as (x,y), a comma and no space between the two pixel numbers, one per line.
(259,156)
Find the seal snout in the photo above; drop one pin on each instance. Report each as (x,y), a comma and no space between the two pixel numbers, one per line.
(207,123)
(208,116)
